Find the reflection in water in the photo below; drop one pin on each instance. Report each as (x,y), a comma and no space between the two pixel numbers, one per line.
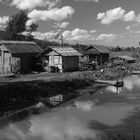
(71,120)
(129,83)
(49,127)
(12,132)
(109,114)
(114,89)
(60,128)
(84,105)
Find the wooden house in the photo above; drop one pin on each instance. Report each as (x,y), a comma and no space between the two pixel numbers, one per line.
(17,56)
(97,53)
(64,58)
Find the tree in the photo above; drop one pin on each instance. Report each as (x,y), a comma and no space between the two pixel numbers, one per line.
(118,49)
(16,25)
(32,28)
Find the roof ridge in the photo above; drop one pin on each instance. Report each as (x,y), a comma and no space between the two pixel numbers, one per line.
(17,42)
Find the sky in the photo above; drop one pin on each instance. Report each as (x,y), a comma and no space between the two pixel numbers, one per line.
(105,22)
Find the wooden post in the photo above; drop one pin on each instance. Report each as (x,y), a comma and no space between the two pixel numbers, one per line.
(61,40)
(101,59)
(2,63)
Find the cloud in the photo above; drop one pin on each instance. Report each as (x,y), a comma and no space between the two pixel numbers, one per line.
(117,14)
(3,21)
(127,28)
(93,31)
(29,22)
(52,14)
(130,16)
(88,0)
(78,35)
(107,37)
(62,25)
(135,32)
(44,36)
(31,4)
(111,15)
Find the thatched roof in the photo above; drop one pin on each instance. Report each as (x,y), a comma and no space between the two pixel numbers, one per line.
(65,51)
(21,46)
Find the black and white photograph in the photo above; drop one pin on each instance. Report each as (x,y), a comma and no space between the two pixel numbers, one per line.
(69,69)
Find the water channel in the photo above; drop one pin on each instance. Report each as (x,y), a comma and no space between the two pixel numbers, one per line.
(88,117)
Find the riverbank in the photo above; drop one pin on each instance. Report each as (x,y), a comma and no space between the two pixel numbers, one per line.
(27,90)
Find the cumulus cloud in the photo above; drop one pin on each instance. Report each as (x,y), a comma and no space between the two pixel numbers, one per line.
(30,4)
(92,31)
(78,35)
(54,14)
(117,14)
(44,36)
(3,21)
(130,16)
(111,15)
(88,0)
(62,25)
(135,32)
(127,27)
(107,37)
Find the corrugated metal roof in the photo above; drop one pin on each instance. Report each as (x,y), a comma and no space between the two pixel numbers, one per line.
(65,51)
(21,46)
(101,48)
(91,50)
(122,53)
(96,49)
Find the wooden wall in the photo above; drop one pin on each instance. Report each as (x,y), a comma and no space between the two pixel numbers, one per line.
(5,61)
(8,64)
(26,61)
(70,63)
(56,60)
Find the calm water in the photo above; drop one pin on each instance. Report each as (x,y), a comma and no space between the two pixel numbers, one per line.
(108,111)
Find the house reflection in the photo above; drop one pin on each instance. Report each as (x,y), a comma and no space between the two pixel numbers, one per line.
(114,89)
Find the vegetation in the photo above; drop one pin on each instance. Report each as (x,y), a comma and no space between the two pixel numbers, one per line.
(16,25)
